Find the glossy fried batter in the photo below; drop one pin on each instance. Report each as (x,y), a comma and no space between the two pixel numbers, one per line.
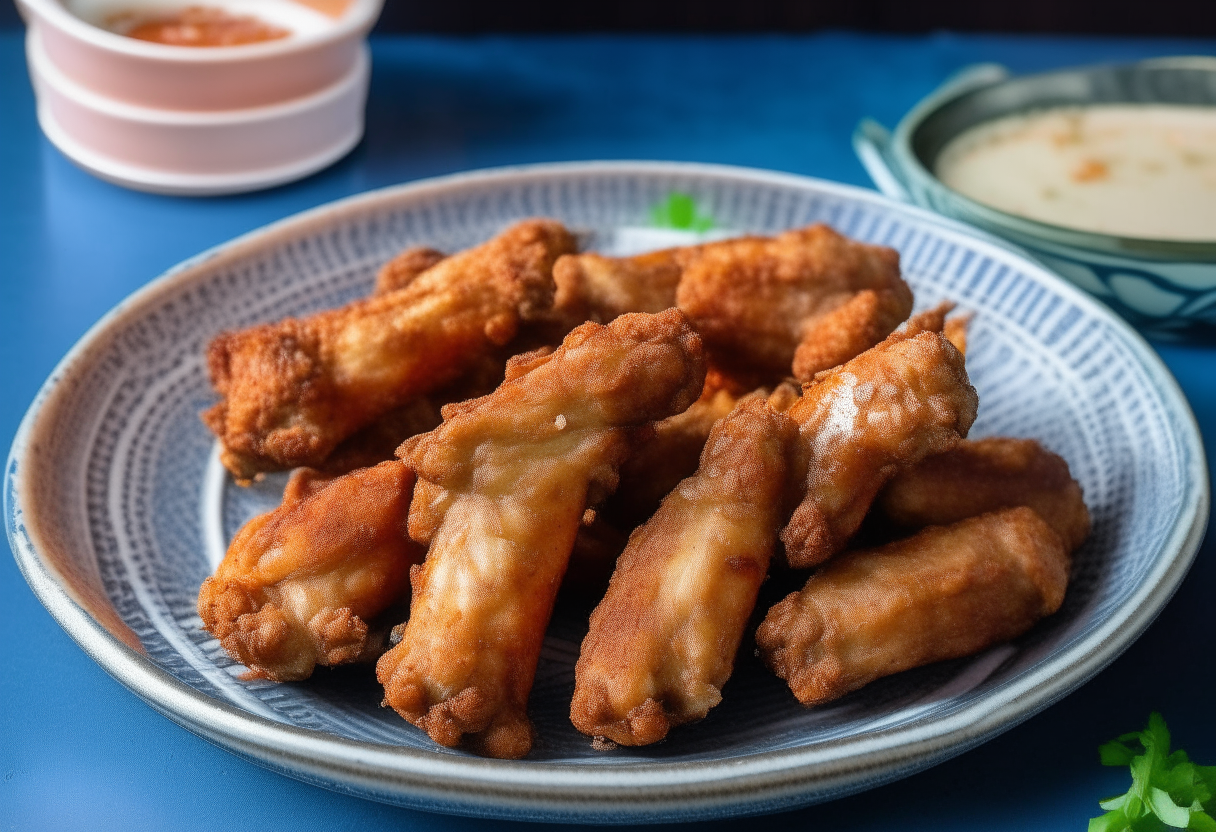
(662,642)
(947,592)
(293,390)
(809,298)
(299,584)
(983,475)
(503,485)
(863,422)
(402,269)
(592,287)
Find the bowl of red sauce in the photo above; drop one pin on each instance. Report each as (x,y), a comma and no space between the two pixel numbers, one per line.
(200,96)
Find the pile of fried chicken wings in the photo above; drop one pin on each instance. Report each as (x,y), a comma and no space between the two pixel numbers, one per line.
(496,426)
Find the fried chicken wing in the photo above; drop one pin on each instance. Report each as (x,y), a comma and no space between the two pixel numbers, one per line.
(299,584)
(292,391)
(662,642)
(673,452)
(947,592)
(503,485)
(402,269)
(861,423)
(985,475)
(592,287)
(935,320)
(808,298)
(668,455)
(379,440)
(955,330)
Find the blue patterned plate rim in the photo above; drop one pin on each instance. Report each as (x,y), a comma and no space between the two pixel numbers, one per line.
(745,784)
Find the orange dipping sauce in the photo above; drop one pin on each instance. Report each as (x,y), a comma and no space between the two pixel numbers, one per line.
(196,26)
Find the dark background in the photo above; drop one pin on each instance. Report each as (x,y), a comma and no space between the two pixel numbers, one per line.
(1194,18)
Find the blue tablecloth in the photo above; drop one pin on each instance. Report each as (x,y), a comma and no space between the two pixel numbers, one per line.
(77,750)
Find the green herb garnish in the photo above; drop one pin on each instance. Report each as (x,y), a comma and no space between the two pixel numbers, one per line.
(680,211)
(1168,790)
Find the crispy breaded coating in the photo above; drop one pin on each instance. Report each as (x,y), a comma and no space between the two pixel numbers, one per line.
(930,320)
(379,440)
(663,641)
(784,396)
(503,485)
(673,451)
(848,330)
(666,456)
(293,390)
(955,330)
(592,287)
(809,299)
(402,269)
(983,475)
(299,584)
(947,592)
(862,423)
(935,320)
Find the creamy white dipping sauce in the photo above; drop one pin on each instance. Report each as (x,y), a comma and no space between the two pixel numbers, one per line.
(1132,170)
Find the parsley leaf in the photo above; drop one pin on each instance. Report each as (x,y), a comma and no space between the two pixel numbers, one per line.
(1168,791)
(680,211)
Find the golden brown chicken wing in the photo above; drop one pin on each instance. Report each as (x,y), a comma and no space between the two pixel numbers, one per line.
(592,287)
(379,441)
(808,298)
(936,320)
(955,329)
(861,423)
(292,391)
(503,486)
(669,454)
(299,584)
(946,592)
(983,475)
(402,269)
(662,642)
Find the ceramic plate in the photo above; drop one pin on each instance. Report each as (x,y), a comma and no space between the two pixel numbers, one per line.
(117,509)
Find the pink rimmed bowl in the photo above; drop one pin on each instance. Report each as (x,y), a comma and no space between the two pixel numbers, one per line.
(201,121)
(204,78)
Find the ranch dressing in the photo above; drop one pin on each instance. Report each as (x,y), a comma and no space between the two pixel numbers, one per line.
(1131,170)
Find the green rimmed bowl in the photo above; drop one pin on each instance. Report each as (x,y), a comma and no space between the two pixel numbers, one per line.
(1165,287)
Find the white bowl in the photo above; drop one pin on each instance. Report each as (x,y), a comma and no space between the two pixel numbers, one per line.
(194,78)
(197,153)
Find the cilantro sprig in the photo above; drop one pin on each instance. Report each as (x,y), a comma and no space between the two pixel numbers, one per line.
(680,211)
(1168,790)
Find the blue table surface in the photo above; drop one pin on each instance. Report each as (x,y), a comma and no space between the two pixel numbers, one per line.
(77,750)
